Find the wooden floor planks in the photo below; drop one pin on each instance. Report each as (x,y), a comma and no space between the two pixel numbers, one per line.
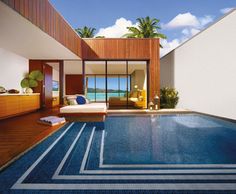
(18,134)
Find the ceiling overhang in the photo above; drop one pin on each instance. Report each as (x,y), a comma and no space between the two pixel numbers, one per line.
(20,36)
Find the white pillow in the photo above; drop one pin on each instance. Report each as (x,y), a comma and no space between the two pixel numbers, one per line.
(72,102)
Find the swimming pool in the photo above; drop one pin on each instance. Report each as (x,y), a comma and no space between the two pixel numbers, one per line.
(131,153)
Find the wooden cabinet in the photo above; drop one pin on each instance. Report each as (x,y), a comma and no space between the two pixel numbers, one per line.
(29,103)
(11,105)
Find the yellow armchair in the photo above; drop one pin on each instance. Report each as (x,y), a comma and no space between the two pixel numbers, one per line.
(142,100)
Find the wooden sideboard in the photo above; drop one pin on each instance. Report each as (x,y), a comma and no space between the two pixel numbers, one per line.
(16,104)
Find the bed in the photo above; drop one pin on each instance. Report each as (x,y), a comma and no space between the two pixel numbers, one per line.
(91,111)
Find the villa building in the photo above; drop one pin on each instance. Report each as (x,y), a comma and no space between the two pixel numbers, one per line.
(34,36)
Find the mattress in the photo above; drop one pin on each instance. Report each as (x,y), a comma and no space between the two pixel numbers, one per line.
(85,108)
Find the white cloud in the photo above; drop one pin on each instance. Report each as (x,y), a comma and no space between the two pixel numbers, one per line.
(194,31)
(226,10)
(117,30)
(168,46)
(189,32)
(205,20)
(183,20)
(188,20)
(190,25)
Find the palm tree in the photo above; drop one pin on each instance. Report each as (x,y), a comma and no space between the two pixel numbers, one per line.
(100,37)
(147,28)
(86,32)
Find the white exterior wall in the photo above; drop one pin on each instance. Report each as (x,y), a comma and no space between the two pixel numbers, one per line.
(167,70)
(205,70)
(13,68)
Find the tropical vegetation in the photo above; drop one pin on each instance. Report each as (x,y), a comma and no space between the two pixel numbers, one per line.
(168,98)
(31,80)
(86,32)
(146,28)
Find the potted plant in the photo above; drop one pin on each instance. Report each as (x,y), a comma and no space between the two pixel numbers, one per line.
(31,81)
(169,97)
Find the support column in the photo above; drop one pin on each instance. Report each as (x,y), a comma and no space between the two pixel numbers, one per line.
(61,79)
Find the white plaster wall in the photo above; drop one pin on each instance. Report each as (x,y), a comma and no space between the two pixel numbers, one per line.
(73,67)
(12,69)
(55,77)
(138,77)
(167,70)
(205,70)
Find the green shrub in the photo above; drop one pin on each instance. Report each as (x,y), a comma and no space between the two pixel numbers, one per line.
(32,79)
(168,98)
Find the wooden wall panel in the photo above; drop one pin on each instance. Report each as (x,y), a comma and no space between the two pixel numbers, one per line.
(42,14)
(47,71)
(74,84)
(154,69)
(116,48)
(61,81)
(38,65)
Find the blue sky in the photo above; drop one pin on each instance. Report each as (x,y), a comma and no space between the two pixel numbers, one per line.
(180,19)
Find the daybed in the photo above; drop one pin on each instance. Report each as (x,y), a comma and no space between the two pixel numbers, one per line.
(78,108)
(90,112)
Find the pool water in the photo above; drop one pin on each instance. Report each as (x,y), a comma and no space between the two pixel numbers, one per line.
(188,139)
(185,152)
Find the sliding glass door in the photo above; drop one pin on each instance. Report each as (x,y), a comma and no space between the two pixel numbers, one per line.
(95,81)
(100,88)
(121,84)
(117,84)
(90,83)
(138,76)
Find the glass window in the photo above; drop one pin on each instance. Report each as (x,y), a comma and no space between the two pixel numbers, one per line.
(138,82)
(126,83)
(100,88)
(90,87)
(95,83)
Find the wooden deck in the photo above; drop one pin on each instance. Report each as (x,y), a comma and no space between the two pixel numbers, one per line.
(20,133)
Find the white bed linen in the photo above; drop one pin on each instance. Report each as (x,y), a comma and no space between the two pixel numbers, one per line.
(85,108)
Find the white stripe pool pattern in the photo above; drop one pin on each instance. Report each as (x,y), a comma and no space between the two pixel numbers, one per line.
(80,157)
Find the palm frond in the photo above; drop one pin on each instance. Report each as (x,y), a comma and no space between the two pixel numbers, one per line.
(147,28)
(86,32)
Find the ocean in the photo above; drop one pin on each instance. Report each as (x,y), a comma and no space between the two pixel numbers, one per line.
(102,96)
